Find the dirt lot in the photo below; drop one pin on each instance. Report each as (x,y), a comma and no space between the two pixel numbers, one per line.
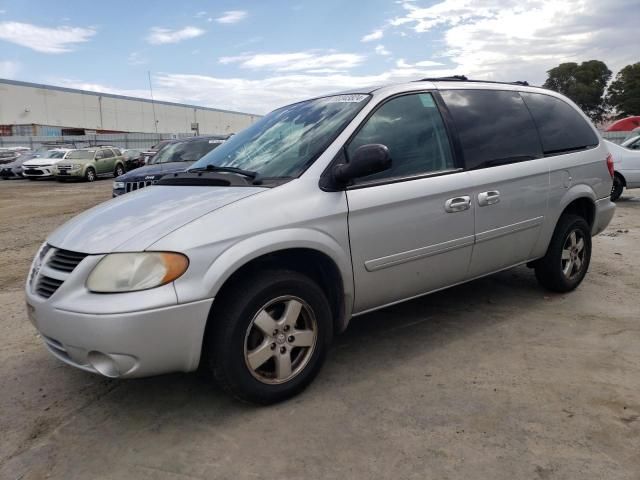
(495,379)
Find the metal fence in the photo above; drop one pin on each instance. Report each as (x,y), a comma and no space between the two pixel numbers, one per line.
(615,137)
(145,140)
(122,140)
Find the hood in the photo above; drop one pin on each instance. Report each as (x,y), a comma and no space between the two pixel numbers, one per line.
(38,162)
(154,171)
(134,221)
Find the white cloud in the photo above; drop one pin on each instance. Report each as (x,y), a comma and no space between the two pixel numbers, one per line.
(9,69)
(296,61)
(401,63)
(381,50)
(136,58)
(521,40)
(375,35)
(232,16)
(43,39)
(160,36)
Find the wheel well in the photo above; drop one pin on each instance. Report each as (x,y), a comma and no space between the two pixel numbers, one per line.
(316,265)
(624,181)
(582,207)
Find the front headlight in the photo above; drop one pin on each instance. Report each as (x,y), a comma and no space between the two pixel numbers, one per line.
(118,185)
(76,166)
(128,272)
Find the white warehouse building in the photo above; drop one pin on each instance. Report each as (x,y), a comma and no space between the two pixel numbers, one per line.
(45,110)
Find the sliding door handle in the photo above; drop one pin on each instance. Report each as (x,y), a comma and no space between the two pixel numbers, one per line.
(488,198)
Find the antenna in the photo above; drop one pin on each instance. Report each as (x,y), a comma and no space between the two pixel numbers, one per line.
(153,105)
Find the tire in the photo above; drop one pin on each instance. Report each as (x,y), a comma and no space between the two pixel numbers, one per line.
(616,188)
(118,171)
(90,175)
(234,337)
(567,260)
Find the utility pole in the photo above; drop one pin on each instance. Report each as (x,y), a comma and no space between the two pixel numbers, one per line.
(153,105)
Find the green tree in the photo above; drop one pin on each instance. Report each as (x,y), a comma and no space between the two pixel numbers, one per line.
(584,84)
(624,92)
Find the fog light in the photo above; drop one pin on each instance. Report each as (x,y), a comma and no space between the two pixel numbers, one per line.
(104,364)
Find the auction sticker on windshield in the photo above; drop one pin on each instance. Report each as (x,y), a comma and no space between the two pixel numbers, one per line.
(354,98)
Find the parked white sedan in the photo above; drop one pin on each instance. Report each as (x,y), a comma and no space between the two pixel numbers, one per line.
(42,166)
(626,163)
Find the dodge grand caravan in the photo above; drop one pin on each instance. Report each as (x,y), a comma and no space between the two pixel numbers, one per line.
(249,262)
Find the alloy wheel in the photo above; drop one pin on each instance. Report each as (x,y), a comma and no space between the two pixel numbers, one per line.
(280,340)
(573,253)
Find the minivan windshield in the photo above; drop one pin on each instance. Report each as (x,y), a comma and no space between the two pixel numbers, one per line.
(188,151)
(287,140)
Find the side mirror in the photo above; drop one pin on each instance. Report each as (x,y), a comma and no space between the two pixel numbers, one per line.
(366,160)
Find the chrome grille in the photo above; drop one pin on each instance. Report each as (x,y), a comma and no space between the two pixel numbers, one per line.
(131,186)
(65,260)
(47,286)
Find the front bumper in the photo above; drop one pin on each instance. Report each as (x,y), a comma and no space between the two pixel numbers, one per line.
(38,172)
(10,172)
(125,345)
(605,209)
(132,334)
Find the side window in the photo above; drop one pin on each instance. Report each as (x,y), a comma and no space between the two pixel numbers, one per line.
(494,127)
(107,153)
(99,155)
(562,128)
(116,152)
(412,128)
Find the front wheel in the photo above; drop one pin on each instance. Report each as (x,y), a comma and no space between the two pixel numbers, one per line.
(566,263)
(616,188)
(90,175)
(268,337)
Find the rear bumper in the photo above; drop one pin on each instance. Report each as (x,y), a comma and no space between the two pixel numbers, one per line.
(605,209)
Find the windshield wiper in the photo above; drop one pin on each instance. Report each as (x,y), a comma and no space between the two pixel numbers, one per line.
(214,168)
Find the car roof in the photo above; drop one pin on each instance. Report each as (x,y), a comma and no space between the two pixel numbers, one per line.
(456,81)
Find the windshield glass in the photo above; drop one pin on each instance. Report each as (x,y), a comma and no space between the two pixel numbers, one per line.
(284,142)
(81,155)
(186,151)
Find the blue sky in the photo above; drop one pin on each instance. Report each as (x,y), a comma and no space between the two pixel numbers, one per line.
(256,55)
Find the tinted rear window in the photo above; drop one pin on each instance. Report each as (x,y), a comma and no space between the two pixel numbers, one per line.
(561,128)
(494,127)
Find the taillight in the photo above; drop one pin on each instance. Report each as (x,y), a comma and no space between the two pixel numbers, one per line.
(610,164)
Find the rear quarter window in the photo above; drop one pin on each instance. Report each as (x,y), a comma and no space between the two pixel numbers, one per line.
(494,127)
(562,129)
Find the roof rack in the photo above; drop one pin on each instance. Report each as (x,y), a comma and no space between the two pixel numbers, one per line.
(462,78)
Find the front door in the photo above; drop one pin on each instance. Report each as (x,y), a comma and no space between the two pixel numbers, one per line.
(411,227)
(106,163)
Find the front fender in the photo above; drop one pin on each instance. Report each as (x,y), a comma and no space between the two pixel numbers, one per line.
(239,254)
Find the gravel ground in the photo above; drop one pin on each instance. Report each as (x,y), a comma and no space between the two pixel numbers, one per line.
(495,379)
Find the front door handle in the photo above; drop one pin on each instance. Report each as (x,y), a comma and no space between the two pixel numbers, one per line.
(458,204)
(488,198)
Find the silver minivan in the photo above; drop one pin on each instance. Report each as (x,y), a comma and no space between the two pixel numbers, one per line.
(252,260)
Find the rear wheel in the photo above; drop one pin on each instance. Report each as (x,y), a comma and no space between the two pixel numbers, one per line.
(268,337)
(616,188)
(119,171)
(566,263)
(90,175)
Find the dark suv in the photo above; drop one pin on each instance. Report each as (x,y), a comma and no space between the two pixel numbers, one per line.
(173,158)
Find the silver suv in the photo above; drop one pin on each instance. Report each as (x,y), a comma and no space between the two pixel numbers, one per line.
(251,261)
